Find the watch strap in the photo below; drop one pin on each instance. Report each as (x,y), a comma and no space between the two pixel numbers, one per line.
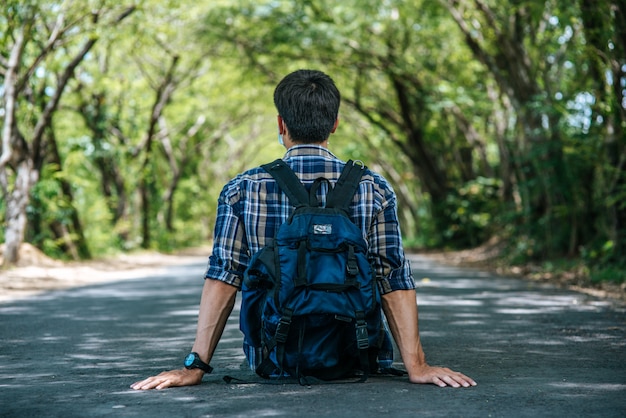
(198,364)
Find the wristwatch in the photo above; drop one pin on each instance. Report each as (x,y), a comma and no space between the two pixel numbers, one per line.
(192,361)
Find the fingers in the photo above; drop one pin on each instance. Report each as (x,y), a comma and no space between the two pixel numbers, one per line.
(169,379)
(466,381)
(454,379)
(154,382)
(437,381)
(443,377)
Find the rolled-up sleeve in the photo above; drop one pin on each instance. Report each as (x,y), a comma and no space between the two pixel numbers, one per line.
(229,258)
(393,270)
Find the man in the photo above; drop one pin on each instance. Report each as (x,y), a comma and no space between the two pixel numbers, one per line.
(252,207)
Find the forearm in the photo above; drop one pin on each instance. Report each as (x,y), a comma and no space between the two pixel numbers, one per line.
(216,304)
(400,309)
(401,312)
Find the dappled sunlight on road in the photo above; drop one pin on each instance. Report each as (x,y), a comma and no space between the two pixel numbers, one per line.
(520,340)
(94,330)
(520,330)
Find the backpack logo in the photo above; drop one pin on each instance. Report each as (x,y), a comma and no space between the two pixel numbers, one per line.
(310,303)
(325,229)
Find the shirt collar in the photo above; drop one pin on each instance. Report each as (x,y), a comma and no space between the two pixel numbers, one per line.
(308,150)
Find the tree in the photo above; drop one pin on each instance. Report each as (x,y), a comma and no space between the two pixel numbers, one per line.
(152,105)
(56,56)
(381,56)
(485,115)
(535,53)
(604,26)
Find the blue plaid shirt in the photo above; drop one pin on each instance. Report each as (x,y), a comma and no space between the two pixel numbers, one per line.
(251,208)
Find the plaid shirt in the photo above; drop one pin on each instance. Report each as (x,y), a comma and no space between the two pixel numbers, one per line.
(251,208)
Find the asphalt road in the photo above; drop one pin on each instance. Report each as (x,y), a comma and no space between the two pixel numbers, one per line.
(535,351)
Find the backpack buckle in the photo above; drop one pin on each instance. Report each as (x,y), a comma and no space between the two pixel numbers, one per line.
(362,339)
(352,268)
(352,265)
(282,330)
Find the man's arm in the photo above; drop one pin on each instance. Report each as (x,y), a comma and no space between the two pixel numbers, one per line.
(216,304)
(400,309)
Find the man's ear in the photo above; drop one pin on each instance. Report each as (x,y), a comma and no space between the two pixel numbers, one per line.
(281,125)
(335,125)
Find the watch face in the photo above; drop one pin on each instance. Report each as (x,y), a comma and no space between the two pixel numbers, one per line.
(189,360)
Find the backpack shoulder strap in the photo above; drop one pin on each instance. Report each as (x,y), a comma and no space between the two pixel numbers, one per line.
(345,188)
(288,182)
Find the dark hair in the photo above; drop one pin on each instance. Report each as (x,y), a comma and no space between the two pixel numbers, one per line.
(308,102)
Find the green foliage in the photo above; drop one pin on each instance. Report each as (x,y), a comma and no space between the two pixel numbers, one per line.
(502,119)
(473,213)
(46,207)
(601,255)
(610,273)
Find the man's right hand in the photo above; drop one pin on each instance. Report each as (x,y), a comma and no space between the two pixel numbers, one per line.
(181,377)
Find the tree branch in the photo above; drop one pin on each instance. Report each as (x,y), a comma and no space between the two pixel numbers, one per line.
(10,94)
(51,106)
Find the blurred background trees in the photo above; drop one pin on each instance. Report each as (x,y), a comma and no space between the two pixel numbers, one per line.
(122,120)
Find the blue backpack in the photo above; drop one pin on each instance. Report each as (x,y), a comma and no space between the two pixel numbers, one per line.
(310,299)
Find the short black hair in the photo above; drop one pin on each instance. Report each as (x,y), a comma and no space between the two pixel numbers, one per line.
(308,102)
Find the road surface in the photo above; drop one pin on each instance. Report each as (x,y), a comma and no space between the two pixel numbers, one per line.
(535,351)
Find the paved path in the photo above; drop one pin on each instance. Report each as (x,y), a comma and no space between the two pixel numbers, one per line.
(534,350)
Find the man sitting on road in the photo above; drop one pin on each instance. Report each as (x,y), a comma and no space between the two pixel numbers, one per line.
(308,104)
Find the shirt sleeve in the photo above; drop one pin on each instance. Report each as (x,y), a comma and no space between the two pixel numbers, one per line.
(393,270)
(229,257)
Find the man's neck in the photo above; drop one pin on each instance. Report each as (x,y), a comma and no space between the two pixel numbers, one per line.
(289,144)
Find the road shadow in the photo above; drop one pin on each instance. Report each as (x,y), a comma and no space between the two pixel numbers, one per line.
(535,350)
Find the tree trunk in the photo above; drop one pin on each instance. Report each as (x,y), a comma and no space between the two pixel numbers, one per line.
(16,198)
(21,157)
(15,218)
(93,111)
(162,97)
(409,121)
(433,178)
